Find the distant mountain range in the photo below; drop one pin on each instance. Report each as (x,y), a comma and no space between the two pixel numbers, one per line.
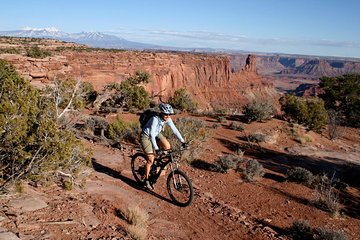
(98,40)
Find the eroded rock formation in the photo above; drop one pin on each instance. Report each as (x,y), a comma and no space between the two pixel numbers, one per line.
(208,78)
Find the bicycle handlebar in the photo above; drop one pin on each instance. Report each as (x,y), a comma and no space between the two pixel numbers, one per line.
(168,152)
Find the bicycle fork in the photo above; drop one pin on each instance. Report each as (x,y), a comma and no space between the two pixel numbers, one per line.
(176,181)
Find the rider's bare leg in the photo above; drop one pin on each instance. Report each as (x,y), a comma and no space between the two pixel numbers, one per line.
(149,162)
(164,144)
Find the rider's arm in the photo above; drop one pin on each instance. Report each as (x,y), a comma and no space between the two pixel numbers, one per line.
(154,132)
(175,130)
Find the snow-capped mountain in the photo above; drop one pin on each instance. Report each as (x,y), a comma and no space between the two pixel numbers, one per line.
(36,33)
(93,39)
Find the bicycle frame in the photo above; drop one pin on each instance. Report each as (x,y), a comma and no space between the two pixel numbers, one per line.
(170,160)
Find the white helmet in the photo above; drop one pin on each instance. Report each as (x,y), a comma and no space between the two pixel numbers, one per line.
(166,109)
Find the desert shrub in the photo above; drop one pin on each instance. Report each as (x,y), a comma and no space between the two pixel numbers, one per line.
(326,195)
(328,234)
(253,169)
(227,162)
(239,152)
(137,232)
(88,93)
(129,93)
(194,132)
(257,137)
(133,91)
(220,118)
(31,141)
(334,126)
(342,94)
(300,175)
(134,215)
(19,186)
(94,122)
(183,101)
(68,185)
(36,52)
(120,130)
(138,219)
(137,98)
(303,139)
(10,50)
(259,110)
(300,230)
(310,112)
(236,126)
(218,111)
(317,116)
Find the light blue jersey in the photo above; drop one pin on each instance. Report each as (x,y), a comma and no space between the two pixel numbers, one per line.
(155,125)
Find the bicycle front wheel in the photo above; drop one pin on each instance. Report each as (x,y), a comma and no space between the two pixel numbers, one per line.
(138,164)
(180,188)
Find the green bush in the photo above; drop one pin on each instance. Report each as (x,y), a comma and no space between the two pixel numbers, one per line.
(183,101)
(227,162)
(88,93)
(31,141)
(311,112)
(236,126)
(121,130)
(253,169)
(328,234)
(342,94)
(194,132)
(259,110)
(129,93)
(36,52)
(301,230)
(300,175)
(10,50)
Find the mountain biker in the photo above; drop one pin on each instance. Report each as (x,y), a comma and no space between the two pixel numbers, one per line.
(151,136)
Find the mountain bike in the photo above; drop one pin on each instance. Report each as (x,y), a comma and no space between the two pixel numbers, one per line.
(178,183)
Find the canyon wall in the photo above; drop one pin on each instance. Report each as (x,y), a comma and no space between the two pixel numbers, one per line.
(207,77)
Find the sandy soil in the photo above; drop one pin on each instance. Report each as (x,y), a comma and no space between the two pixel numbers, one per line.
(224,207)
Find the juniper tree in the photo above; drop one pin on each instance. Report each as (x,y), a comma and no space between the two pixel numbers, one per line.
(31,141)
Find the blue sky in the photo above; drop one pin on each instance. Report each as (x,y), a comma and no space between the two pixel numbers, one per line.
(311,27)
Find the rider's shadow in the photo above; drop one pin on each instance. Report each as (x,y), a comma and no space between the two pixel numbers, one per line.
(115,174)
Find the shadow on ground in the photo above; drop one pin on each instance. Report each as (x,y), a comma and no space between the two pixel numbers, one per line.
(280,163)
(134,184)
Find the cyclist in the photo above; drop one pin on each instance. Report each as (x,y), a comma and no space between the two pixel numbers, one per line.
(151,136)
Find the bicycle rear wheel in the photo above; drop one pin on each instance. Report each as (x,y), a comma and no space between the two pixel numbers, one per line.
(138,164)
(180,188)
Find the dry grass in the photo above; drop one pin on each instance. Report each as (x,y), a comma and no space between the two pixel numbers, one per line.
(136,216)
(327,197)
(137,232)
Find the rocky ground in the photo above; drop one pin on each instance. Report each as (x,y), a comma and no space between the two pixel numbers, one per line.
(225,206)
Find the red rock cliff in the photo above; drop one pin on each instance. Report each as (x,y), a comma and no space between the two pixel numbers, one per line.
(208,78)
